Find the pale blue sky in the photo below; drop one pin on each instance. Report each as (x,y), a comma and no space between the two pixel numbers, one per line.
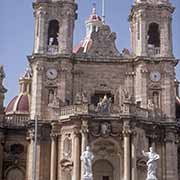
(17,29)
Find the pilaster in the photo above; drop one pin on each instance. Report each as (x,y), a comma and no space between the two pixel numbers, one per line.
(38,167)
(127,152)
(133,156)
(76,154)
(171,155)
(40,40)
(37,87)
(84,140)
(54,145)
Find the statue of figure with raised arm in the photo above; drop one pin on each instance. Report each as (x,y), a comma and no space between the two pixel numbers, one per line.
(151,163)
(87,157)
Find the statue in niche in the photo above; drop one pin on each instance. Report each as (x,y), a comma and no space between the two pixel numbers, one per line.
(50,96)
(126,94)
(156,99)
(104,105)
(84,97)
(51,39)
(151,163)
(52,48)
(87,157)
(53,100)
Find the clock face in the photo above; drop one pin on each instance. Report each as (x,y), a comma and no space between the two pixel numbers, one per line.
(52,73)
(155,76)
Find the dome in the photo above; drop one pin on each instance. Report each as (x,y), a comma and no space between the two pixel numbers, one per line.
(19,105)
(93,23)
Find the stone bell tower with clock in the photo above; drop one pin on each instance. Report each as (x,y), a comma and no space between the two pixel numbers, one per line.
(151,42)
(53,43)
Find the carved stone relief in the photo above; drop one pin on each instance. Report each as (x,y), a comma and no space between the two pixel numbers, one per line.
(105,129)
(105,148)
(15,174)
(103,42)
(67,148)
(66,161)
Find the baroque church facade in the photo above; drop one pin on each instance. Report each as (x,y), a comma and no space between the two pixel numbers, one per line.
(118,103)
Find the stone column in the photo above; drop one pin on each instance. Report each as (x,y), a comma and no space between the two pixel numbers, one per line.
(76,155)
(53,165)
(127,153)
(29,163)
(133,157)
(143,40)
(84,141)
(1,154)
(60,152)
(30,156)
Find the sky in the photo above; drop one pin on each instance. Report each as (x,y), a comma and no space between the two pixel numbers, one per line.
(17,33)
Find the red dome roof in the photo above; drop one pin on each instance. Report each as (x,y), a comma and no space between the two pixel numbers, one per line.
(83,46)
(18,105)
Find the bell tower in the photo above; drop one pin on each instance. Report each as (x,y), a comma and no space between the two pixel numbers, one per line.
(151,28)
(54,25)
(51,58)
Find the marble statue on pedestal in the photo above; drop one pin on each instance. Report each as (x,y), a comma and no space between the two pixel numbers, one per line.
(87,157)
(151,163)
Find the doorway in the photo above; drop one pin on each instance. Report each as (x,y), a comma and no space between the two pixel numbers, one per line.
(102,170)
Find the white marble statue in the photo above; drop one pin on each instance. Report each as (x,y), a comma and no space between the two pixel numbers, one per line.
(87,157)
(151,163)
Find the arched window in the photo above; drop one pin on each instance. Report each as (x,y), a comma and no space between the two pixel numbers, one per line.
(53,31)
(154,35)
(51,94)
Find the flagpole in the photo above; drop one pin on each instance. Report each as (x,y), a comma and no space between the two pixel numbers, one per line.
(103,11)
(34,149)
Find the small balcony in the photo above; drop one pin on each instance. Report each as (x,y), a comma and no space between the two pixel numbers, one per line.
(52,49)
(153,51)
(112,111)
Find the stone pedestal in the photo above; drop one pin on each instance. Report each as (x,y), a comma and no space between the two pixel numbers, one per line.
(87,178)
